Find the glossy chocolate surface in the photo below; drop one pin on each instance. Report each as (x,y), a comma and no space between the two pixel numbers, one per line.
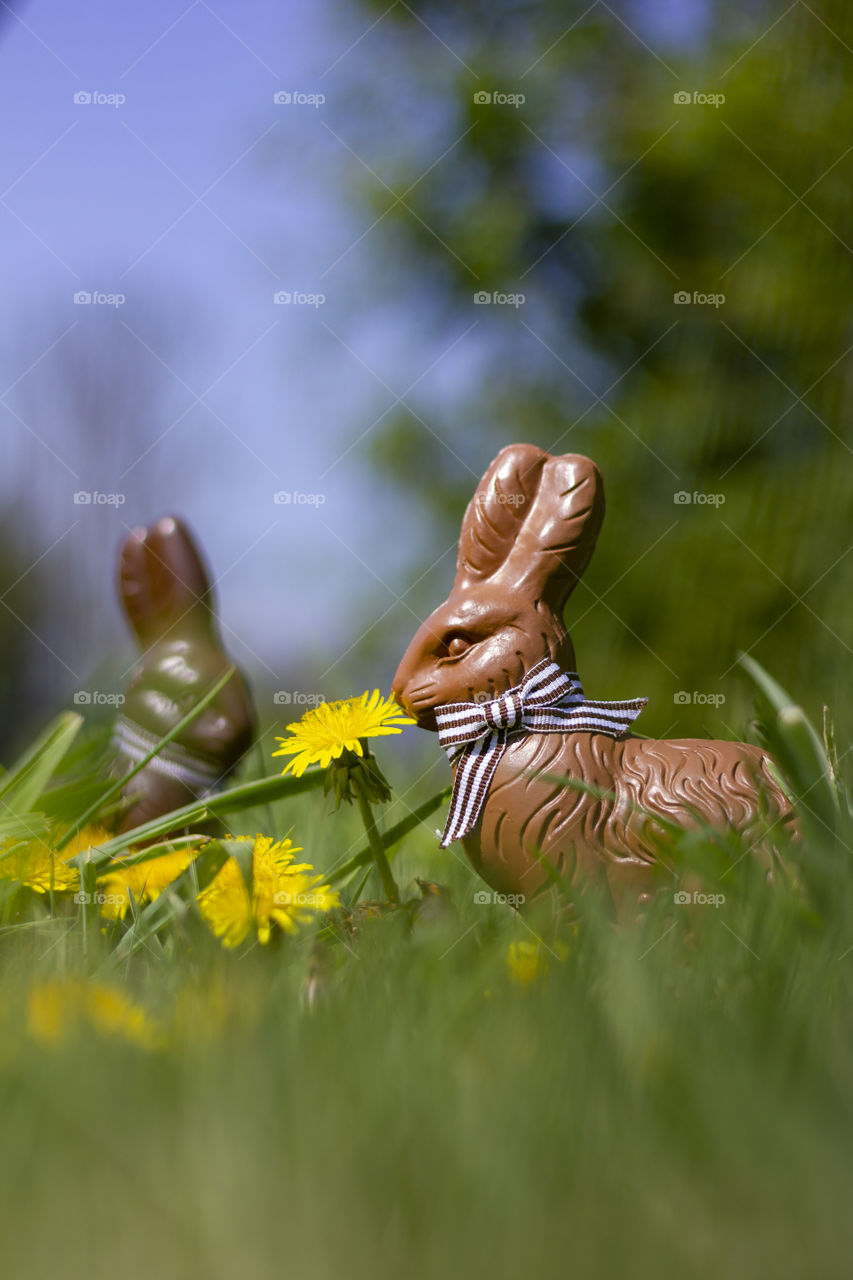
(527,536)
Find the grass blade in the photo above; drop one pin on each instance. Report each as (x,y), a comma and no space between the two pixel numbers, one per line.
(120,783)
(797,746)
(244,796)
(172,902)
(21,787)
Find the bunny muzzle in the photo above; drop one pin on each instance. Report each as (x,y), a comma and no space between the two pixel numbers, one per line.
(417,686)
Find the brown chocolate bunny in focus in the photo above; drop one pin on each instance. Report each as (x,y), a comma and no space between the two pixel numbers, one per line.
(527,536)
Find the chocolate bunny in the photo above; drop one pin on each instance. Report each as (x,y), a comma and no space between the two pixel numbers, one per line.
(493,670)
(167,596)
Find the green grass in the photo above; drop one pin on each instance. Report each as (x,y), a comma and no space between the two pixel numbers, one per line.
(671,1098)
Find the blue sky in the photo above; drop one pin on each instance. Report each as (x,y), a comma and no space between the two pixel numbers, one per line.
(196,199)
(183,189)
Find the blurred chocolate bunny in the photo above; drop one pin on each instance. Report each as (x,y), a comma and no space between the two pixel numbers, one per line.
(167,596)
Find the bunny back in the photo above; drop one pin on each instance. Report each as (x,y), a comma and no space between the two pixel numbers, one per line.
(613,838)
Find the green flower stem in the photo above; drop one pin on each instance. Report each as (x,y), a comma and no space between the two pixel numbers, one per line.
(374,839)
(391,838)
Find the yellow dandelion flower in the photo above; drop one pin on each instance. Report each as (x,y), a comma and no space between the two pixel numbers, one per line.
(298,896)
(145,880)
(226,906)
(326,731)
(284,892)
(111,1012)
(36,865)
(58,1008)
(526,962)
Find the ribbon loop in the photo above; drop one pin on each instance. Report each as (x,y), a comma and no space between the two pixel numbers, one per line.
(548,700)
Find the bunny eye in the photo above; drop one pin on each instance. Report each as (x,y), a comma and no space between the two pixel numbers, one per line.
(456,645)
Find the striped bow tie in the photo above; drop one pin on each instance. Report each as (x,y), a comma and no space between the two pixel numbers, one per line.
(548,700)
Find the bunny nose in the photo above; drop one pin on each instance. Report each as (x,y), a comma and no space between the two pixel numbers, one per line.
(414,695)
(402,683)
(400,699)
(397,690)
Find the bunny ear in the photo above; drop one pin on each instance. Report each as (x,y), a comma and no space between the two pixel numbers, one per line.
(559,530)
(497,512)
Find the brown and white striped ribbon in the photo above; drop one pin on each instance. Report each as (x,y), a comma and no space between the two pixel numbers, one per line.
(199,776)
(548,700)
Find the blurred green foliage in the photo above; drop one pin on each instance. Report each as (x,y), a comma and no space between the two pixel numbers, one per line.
(600,198)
